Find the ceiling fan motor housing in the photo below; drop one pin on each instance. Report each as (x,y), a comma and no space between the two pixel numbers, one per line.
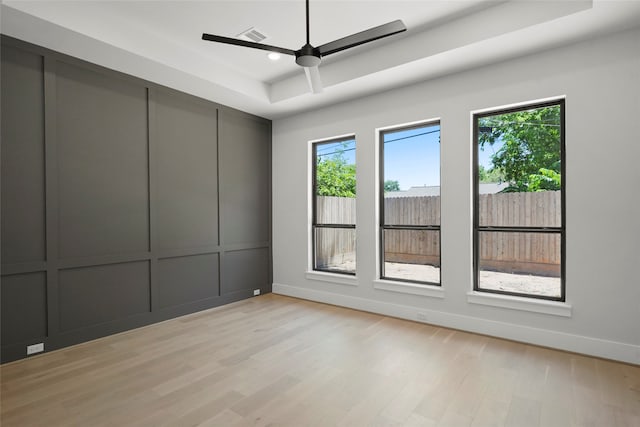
(308,56)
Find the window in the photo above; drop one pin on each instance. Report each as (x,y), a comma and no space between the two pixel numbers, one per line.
(519,208)
(334,206)
(410,204)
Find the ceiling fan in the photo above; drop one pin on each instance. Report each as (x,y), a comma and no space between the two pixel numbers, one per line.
(308,56)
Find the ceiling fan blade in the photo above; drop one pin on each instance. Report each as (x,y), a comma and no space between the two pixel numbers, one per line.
(362,37)
(313,77)
(237,42)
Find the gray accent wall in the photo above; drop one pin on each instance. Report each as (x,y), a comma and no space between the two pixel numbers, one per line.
(124,203)
(23,194)
(243,145)
(102,167)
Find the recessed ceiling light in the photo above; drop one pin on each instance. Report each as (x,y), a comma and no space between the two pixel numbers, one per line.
(274,56)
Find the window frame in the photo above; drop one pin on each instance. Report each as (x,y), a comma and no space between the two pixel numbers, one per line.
(314,211)
(381,214)
(477,228)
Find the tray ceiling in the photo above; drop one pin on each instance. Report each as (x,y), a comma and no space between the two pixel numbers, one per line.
(160,41)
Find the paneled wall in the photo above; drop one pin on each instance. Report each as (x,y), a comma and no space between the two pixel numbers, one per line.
(123,203)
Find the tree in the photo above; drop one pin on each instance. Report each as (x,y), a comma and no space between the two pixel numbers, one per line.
(530,155)
(391,185)
(547,179)
(491,175)
(335,177)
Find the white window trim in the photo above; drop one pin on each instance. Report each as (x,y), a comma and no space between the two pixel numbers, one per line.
(554,308)
(311,273)
(422,289)
(340,279)
(524,303)
(409,288)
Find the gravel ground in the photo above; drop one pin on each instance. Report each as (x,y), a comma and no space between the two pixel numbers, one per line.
(521,283)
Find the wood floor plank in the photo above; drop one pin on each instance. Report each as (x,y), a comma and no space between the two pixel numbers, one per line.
(280,361)
(523,412)
(492,412)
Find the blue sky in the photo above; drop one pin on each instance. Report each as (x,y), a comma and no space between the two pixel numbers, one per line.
(347,148)
(412,157)
(484,157)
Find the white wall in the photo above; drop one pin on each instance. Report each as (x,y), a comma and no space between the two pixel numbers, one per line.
(601,81)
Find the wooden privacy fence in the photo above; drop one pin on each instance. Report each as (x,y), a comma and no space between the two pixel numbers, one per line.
(335,210)
(412,246)
(335,246)
(531,253)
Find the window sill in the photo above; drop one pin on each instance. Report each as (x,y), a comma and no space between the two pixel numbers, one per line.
(520,303)
(340,279)
(409,288)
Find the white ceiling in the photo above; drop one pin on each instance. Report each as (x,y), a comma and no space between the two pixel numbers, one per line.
(161,41)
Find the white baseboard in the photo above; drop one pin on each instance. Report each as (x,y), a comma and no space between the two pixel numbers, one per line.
(613,350)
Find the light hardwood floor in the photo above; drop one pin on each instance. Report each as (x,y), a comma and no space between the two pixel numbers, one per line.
(274,360)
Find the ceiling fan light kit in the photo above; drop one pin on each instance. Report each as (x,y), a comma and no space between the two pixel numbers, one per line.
(308,56)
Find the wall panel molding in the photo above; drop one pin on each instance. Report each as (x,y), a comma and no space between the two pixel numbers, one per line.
(187,185)
(102,166)
(23,195)
(112,210)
